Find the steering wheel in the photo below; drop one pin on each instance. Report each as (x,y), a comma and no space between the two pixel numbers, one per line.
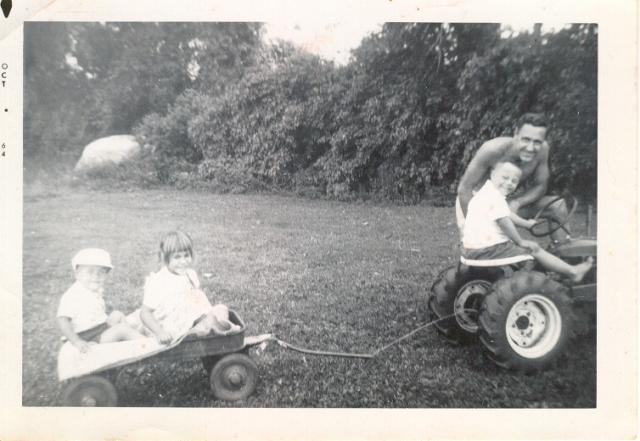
(547,224)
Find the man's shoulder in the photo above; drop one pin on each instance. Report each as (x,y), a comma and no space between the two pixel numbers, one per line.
(496,147)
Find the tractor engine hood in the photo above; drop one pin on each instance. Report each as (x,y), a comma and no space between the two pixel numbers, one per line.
(577,248)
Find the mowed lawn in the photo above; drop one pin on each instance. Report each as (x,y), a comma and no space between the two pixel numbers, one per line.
(320,274)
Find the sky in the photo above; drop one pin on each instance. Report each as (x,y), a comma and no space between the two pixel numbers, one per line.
(333,40)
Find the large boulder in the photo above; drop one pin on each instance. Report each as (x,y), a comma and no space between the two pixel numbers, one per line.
(108,151)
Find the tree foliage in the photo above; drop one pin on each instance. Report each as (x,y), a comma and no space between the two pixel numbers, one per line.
(406,114)
(54,98)
(111,75)
(553,73)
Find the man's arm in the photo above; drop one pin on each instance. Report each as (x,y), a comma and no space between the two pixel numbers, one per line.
(482,161)
(540,180)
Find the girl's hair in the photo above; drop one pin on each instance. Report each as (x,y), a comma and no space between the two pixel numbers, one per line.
(175,242)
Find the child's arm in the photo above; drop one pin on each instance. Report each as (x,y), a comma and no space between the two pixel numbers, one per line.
(149,320)
(67,330)
(508,227)
(520,222)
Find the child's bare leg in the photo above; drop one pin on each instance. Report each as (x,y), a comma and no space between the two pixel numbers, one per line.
(203,325)
(121,331)
(220,313)
(553,263)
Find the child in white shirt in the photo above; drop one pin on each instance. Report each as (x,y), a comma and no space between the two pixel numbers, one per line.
(173,303)
(490,227)
(81,315)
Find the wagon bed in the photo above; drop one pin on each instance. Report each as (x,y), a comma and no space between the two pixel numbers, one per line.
(233,375)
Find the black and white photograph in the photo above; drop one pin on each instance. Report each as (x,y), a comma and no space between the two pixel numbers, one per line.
(365,213)
(310,199)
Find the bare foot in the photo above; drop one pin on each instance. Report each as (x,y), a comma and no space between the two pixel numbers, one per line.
(581,269)
(200,330)
(225,327)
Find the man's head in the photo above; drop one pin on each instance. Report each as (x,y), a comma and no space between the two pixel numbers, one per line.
(91,267)
(505,176)
(529,136)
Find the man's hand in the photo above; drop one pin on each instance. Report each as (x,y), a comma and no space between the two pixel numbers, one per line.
(530,223)
(530,246)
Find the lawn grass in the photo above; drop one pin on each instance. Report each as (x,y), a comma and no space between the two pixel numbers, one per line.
(319,274)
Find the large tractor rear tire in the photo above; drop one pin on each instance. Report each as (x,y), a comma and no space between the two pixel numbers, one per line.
(455,300)
(526,321)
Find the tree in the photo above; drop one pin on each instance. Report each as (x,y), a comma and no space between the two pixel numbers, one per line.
(402,85)
(107,76)
(270,124)
(553,73)
(54,92)
(406,114)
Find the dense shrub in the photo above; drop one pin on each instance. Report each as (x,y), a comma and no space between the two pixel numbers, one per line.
(88,80)
(166,137)
(556,75)
(269,125)
(56,121)
(137,173)
(398,90)
(214,104)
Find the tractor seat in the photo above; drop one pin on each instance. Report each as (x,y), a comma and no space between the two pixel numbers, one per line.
(504,261)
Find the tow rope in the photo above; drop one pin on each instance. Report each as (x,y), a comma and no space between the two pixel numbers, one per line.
(263,339)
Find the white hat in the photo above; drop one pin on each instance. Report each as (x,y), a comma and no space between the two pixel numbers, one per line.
(92,256)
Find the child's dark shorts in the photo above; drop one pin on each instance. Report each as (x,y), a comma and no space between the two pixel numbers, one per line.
(93,334)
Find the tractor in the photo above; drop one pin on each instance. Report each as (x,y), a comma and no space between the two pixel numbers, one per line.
(522,314)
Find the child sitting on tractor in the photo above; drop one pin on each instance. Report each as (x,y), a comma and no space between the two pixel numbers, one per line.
(490,232)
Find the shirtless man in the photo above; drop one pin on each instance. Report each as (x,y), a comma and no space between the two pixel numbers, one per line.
(529,150)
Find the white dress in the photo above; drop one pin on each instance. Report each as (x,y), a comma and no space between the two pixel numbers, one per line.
(175,301)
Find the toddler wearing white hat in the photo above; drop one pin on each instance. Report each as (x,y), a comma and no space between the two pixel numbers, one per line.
(81,315)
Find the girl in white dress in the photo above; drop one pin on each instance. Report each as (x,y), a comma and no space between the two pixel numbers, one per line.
(173,304)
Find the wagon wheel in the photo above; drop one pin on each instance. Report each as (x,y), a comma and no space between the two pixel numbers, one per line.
(455,298)
(234,377)
(92,390)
